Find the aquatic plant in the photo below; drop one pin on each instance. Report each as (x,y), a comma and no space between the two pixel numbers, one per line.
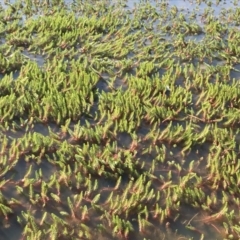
(119,121)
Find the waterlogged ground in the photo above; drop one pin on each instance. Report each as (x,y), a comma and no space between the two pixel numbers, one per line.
(119,120)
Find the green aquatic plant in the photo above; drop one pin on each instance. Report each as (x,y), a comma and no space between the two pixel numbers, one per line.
(119,121)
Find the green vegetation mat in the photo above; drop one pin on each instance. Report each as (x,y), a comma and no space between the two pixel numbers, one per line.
(119,121)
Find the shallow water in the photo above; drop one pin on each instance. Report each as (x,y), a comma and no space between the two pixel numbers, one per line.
(124,141)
